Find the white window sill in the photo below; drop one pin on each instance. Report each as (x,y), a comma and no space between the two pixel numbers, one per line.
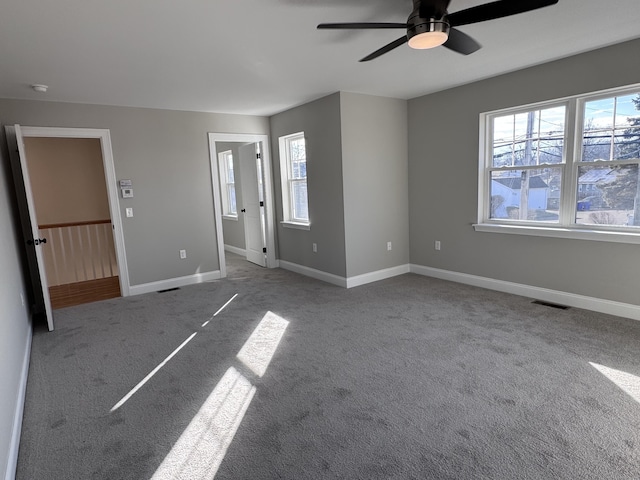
(296,225)
(230,217)
(561,232)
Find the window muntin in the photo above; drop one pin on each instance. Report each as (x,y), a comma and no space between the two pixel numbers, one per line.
(580,158)
(293,158)
(228,185)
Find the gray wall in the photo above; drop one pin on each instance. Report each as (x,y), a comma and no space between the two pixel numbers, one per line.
(443,183)
(14,318)
(234,229)
(166,155)
(320,122)
(375,179)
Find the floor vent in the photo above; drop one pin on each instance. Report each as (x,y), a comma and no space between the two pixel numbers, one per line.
(169,290)
(552,305)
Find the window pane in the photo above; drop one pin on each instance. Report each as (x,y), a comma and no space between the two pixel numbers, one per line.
(612,129)
(230,174)
(627,139)
(598,114)
(596,146)
(502,141)
(598,129)
(539,202)
(297,149)
(232,198)
(551,145)
(299,169)
(298,158)
(626,144)
(626,108)
(531,138)
(608,196)
(520,125)
(299,197)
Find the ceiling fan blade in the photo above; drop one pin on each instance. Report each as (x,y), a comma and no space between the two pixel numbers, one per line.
(493,10)
(433,8)
(461,42)
(387,48)
(346,26)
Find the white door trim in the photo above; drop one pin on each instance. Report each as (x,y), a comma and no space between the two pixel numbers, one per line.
(268,192)
(104,136)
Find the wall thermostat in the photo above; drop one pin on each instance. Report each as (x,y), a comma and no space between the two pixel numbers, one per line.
(127,192)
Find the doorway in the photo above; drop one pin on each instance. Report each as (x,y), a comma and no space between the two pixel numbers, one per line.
(243,198)
(70,215)
(72,207)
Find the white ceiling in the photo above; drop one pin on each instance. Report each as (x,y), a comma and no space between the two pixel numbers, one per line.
(264,56)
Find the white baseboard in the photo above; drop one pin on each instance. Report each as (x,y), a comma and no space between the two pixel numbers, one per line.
(12,460)
(236,250)
(610,307)
(313,273)
(174,282)
(377,275)
(349,282)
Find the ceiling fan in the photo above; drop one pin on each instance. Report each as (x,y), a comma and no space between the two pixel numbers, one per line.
(430,24)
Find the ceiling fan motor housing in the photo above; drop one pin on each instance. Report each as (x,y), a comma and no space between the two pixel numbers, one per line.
(417,25)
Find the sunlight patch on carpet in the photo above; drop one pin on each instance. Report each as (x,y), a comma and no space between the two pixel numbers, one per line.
(258,350)
(199,451)
(627,382)
(151,374)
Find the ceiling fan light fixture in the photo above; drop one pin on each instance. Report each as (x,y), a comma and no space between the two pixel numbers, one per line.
(429,34)
(426,40)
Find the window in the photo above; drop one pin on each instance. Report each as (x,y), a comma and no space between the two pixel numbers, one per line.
(569,165)
(293,169)
(227,184)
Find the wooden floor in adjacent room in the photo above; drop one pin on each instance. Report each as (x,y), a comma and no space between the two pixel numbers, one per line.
(84,292)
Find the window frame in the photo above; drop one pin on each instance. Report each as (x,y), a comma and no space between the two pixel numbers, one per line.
(288,182)
(566,226)
(225,191)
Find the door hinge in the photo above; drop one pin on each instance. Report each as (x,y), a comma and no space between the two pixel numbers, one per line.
(264,250)
(258,155)
(37,241)
(262,204)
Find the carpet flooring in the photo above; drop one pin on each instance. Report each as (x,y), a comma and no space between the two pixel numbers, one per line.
(406,378)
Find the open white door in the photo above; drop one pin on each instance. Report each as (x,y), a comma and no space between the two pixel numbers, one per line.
(253,203)
(28,217)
